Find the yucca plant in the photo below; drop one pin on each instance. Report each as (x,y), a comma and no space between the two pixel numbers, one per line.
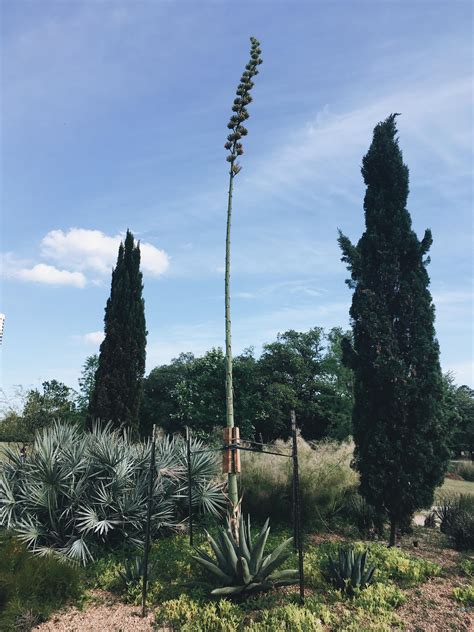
(348,572)
(240,567)
(79,492)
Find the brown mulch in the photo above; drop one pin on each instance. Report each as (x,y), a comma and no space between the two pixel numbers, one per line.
(431,608)
(105,614)
(453,476)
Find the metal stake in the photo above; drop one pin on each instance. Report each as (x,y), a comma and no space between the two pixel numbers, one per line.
(297,507)
(148,520)
(190,494)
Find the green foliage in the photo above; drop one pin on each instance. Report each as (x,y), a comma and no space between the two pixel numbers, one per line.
(459,413)
(465,595)
(301,370)
(363,516)
(118,387)
(399,423)
(348,571)
(188,615)
(456,513)
(41,408)
(467,567)
(79,493)
(392,564)
(465,469)
(87,384)
(326,483)
(240,566)
(32,587)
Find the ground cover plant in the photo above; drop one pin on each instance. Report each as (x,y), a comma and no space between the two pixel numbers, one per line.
(79,492)
(32,587)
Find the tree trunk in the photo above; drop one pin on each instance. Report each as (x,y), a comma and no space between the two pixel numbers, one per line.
(393,532)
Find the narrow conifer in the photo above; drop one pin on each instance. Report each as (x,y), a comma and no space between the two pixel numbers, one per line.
(401,443)
(119,378)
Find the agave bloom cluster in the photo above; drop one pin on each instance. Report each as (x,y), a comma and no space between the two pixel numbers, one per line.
(239,107)
(79,492)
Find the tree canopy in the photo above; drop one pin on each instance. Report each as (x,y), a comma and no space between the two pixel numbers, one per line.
(300,370)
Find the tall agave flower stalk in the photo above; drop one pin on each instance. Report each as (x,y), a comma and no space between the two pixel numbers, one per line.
(235,148)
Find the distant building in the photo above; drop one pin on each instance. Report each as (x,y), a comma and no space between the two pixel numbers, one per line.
(2,325)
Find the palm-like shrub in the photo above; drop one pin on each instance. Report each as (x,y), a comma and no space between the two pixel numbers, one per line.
(349,571)
(240,567)
(81,492)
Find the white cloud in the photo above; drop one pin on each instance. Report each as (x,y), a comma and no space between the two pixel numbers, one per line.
(93,338)
(42,273)
(83,249)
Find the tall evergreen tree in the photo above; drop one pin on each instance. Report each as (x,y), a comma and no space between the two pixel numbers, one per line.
(119,378)
(401,441)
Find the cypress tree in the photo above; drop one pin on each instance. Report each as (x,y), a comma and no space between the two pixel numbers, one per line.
(401,444)
(119,378)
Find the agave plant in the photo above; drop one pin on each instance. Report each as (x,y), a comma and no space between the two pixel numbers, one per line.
(240,567)
(134,569)
(79,492)
(349,571)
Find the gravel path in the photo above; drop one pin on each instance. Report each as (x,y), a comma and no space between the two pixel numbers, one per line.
(108,616)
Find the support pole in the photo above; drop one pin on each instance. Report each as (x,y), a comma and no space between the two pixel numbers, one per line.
(297,507)
(151,475)
(190,491)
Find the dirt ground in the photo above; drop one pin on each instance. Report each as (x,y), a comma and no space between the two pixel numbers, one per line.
(105,613)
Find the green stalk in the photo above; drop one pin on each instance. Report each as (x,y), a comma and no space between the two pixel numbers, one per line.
(232,489)
(234,146)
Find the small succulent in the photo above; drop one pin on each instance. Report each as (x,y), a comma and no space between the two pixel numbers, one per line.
(240,566)
(133,571)
(348,572)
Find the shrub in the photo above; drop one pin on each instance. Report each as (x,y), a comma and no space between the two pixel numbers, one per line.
(188,615)
(32,587)
(467,567)
(465,595)
(79,492)
(326,482)
(392,564)
(456,513)
(290,617)
(364,516)
(465,469)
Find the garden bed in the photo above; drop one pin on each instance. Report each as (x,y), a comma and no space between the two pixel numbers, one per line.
(415,590)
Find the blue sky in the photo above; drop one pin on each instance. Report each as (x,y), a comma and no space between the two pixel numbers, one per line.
(114,114)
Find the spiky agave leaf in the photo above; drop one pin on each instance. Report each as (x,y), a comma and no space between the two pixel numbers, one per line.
(239,565)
